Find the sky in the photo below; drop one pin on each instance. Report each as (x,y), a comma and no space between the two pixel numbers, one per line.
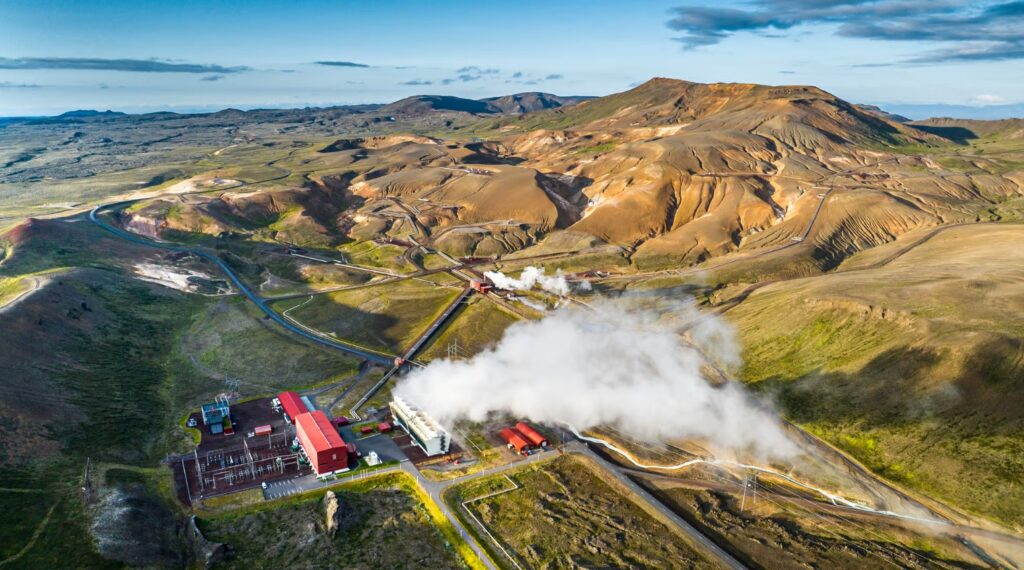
(186,55)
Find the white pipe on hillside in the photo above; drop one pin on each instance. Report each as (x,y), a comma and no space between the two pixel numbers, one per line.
(836,500)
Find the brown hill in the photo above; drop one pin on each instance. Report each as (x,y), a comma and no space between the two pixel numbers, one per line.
(882,113)
(531,102)
(964,129)
(816,114)
(677,172)
(419,104)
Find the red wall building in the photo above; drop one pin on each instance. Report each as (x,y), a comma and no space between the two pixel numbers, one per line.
(292,404)
(514,440)
(531,434)
(325,449)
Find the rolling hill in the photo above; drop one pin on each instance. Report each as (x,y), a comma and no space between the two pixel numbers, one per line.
(870,267)
(702,171)
(531,102)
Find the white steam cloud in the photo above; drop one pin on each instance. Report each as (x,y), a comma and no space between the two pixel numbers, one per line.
(534,277)
(621,367)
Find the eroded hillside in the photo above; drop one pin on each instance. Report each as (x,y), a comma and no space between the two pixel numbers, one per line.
(672,173)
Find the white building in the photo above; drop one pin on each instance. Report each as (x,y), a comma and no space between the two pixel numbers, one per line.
(425,432)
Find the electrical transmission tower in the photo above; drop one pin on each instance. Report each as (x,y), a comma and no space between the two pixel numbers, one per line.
(453,349)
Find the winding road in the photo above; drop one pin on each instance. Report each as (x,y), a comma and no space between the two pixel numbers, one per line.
(237,281)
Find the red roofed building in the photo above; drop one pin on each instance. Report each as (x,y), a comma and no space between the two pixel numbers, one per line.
(325,449)
(292,404)
(514,440)
(531,434)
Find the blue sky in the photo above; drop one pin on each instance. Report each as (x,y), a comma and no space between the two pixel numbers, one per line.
(191,55)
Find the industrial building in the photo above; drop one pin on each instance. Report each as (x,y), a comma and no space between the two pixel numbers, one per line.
(326,451)
(481,285)
(425,432)
(515,441)
(215,412)
(292,404)
(531,435)
(217,416)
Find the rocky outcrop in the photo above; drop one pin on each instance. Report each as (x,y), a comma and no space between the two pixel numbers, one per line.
(331,513)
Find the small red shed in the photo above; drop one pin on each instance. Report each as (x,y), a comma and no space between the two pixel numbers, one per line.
(515,441)
(531,434)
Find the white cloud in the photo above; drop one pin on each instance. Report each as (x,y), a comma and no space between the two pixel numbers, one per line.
(987,99)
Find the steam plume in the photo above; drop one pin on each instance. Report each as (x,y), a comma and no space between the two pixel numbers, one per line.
(619,366)
(532,277)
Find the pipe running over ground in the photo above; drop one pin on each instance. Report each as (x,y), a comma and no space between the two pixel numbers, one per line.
(836,500)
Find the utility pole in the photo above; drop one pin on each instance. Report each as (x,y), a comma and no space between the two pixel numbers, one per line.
(744,500)
(755,487)
(199,471)
(248,454)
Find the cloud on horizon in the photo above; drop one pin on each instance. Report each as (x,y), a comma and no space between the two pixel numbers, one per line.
(986,31)
(100,64)
(471,73)
(341,64)
(12,85)
(522,78)
(417,82)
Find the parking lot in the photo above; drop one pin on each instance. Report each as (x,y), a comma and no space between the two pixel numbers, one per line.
(286,487)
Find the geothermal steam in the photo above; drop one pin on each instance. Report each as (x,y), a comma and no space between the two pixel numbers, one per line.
(619,367)
(534,277)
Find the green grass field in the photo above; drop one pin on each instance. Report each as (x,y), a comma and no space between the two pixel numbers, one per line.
(773,532)
(477,326)
(386,317)
(231,338)
(115,377)
(20,516)
(913,368)
(382,524)
(563,514)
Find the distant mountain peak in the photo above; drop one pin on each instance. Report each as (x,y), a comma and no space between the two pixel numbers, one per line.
(83,113)
(418,104)
(532,101)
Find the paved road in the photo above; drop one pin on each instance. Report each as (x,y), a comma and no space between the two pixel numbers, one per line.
(249,294)
(436,493)
(436,490)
